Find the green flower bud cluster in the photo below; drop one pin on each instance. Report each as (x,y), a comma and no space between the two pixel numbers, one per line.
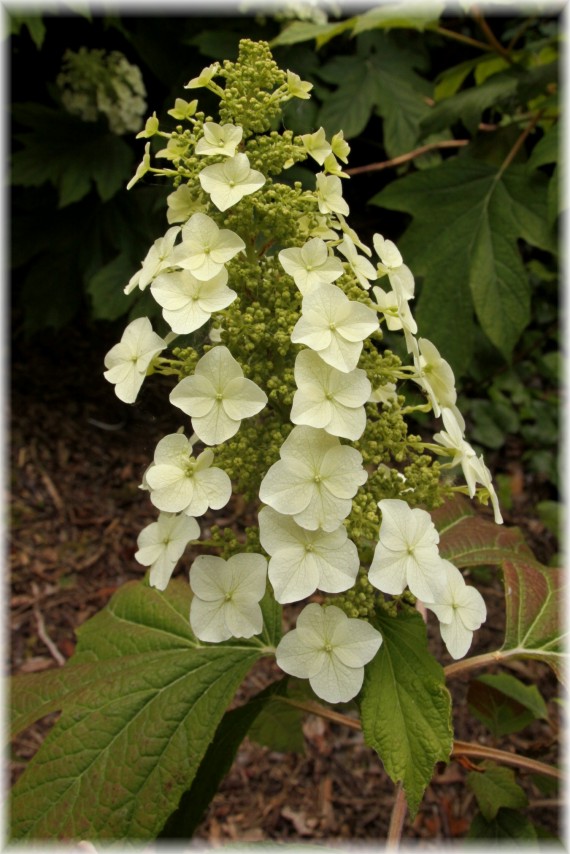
(247,98)
(273,152)
(360,601)
(224,541)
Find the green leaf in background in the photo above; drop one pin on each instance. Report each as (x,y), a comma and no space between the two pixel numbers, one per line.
(33,23)
(507,826)
(379,77)
(234,727)
(504,703)
(469,105)
(463,241)
(106,288)
(68,153)
(135,729)
(495,787)
(533,593)
(405,706)
(302,31)
(397,16)
(547,149)
(279,725)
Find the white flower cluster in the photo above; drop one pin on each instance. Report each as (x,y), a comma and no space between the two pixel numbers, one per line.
(94,82)
(307,494)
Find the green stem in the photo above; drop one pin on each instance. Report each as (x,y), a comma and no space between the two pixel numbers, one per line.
(518,144)
(481,751)
(397,819)
(492,38)
(450,34)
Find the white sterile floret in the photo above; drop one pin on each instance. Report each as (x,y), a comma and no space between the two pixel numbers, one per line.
(407,553)
(346,229)
(481,474)
(218,396)
(330,650)
(311,265)
(178,482)
(162,543)
(392,265)
(388,305)
(127,362)
(435,376)
(385,395)
(331,166)
(187,303)
(317,145)
(182,109)
(459,608)
(329,398)
(226,596)
(142,168)
(297,88)
(452,437)
(205,248)
(340,146)
(157,259)
(360,266)
(182,203)
(315,480)
(334,326)
(219,139)
(204,77)
(228,182)
(303,561)
(329,195)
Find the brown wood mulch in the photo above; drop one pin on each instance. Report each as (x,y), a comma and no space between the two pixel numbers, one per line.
(76,458)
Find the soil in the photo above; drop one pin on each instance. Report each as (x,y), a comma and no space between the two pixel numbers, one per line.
(76,458)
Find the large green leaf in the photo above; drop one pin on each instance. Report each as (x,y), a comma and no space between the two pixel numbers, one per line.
(68,153)
(533,593)
(405,706)
(468,219)
(382,80)
(504,703)
(141,701)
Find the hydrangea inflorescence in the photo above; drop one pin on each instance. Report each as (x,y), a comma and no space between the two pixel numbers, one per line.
(284,377)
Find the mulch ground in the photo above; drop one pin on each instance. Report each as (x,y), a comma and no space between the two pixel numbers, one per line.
(77,456)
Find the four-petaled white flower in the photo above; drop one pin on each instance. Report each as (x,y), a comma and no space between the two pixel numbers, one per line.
(360,266)
(311,265)
(435,376)
(157,259)
(187,302)
(226,596)
(482,475)
(127,362)
(219,139)
(302,561)
(162,543)
(182,203)
(317,145)
(218,396)
(459,608)
(328,398)
(334,326)
(340,146)
(407,552)
(330,650)
(228,182)
(178,482)
(204,77)
(315,480)
(329,194)
(205,248)
(182,109)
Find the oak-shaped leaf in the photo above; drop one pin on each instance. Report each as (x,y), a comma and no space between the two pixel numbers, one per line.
(141,700)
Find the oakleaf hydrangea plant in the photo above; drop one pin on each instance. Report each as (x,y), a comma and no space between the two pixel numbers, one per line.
(275,312)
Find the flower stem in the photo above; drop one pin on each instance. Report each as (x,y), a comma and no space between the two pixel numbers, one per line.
(518,144)
(397,819)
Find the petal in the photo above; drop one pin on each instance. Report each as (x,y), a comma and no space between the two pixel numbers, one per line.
(387,571)
(342,472)
(216,426)
(194,395)
(293,574)
(284,490)
(456,637)
(355,642)
(294,657)
(172,448)
(243,619)
(335,682)
(212,488)
(210,578)
(242,398)
(249,573)
(207,620)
